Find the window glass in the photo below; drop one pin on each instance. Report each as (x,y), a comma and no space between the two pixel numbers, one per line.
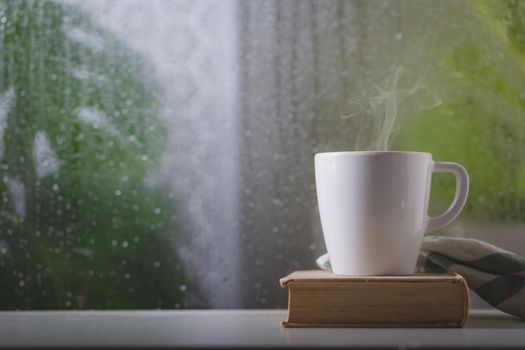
(159,154)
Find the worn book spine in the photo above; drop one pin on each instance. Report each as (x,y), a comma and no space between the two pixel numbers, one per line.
(441,301)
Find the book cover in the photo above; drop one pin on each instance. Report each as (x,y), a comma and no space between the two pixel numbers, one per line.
(319,298)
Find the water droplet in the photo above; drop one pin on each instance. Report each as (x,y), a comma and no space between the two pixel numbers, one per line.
(118,192)
(125,244)
(182,287)
(158,211)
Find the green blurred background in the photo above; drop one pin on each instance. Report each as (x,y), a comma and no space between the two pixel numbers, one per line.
(80,224)
(481,118)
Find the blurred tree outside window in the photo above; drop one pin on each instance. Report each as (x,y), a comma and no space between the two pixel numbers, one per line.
(83,222)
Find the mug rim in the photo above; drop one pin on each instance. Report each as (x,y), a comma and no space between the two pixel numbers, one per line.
(372,153)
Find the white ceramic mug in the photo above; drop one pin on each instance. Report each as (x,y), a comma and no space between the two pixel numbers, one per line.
(373,208)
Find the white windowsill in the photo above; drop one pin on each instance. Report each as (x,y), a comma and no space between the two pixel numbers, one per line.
(227,328)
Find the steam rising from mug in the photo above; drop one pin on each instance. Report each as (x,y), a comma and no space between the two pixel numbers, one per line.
(383,101)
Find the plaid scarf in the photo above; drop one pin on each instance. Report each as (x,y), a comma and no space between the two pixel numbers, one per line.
(495,274)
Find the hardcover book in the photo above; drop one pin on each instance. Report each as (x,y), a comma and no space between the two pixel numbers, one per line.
(319,298)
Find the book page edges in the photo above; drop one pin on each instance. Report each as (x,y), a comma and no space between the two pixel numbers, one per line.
(287,324)
(322,276)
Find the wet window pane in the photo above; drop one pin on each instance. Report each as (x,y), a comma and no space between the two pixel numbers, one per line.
(159,154)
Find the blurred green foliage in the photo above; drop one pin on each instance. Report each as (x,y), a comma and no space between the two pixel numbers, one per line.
(94,230)
(481,122)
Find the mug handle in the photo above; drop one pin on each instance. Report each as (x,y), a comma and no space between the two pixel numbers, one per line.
(462,184)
